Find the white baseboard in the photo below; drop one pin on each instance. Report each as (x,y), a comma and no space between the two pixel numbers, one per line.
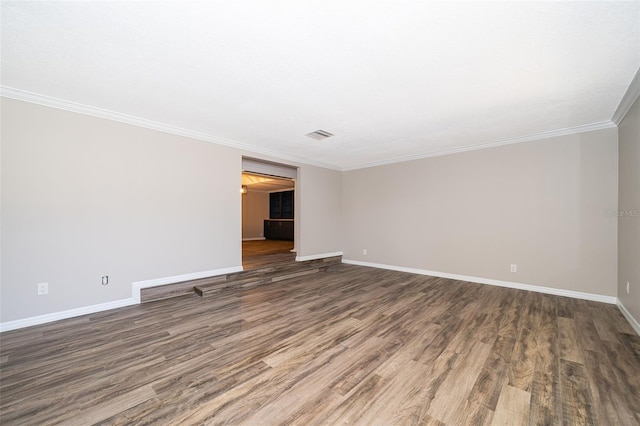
(56,316)
(318,256)
(133,300)
(634,323)
(139,285)
(254,239)
(508,284)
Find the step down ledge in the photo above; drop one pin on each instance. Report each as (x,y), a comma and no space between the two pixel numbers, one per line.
(240,280)
(209,289)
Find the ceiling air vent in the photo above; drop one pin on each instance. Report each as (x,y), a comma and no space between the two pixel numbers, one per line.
(319,135)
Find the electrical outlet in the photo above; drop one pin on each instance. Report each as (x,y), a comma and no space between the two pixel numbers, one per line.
(627,287)
(105,279)
(364,252)
(514,268)
(43,288)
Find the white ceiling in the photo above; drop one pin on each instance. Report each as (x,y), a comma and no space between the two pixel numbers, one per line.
(391,79)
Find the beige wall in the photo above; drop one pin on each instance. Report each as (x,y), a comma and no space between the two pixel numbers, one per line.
(318,211)
(84,197)
(539,205)
(629,206)
(255,209)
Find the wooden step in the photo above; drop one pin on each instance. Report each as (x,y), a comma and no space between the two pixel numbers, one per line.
(182,288)
(239,280)
(275,273)
(279,267)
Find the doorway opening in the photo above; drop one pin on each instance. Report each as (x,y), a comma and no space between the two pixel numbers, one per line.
(268,214)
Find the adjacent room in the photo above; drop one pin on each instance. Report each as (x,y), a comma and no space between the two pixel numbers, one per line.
(268,214)
(338,212)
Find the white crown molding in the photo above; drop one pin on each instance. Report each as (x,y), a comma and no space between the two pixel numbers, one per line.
(317,256)
(634,323)
(22,95)
(56,316)
(527,138)
(629,97)
(508,284)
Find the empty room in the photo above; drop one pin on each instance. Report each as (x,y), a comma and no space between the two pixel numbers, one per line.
(318,213)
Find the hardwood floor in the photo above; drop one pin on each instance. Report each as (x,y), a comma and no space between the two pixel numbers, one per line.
(352,345)
(259,253)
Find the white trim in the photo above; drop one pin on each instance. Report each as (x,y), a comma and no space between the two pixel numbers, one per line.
(634,323)
(629,97)
(22,95)
(317,256)
(508,284)
(526,138)
(254,239)
(56,316)
(35,98)
(137,286)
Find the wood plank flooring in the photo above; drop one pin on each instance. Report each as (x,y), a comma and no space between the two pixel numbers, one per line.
(260,253)
(352,345)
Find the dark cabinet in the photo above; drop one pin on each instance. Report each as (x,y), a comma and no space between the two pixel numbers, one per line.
(278,229)
(280,223)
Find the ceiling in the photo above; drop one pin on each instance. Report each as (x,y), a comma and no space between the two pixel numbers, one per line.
(392,80)
(263,183)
